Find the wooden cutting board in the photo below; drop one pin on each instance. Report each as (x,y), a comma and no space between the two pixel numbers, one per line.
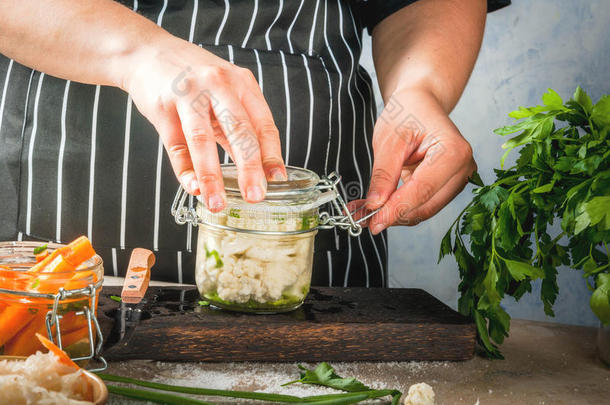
(334,324)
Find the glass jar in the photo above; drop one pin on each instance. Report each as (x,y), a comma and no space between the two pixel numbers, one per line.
(258,257)
(55,304)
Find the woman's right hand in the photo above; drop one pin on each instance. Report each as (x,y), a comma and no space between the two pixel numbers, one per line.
(195,100)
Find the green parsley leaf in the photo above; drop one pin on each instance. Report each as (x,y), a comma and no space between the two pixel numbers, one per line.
(552,99)
(115,298)
(601,112)
(325,375)
(475,179)
(521,270)
(582,98)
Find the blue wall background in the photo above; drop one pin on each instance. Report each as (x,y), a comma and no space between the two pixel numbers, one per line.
(528,47)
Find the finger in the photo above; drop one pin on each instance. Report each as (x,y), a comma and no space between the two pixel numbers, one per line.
(358,210)
(267,132)
(425,182)
(391,147)
(171,134)
(239,131)
(220,137)
(204,155)
(438,201)
(453,187)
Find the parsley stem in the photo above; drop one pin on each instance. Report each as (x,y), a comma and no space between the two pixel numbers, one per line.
(351,399)
(153,396)
(202,391)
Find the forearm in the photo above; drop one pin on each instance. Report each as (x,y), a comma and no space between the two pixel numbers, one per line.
(90,41)
(430,45)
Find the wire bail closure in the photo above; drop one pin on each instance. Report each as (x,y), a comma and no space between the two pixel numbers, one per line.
(53,319)
(184,212)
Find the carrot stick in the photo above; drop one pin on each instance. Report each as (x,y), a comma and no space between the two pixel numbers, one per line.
(42,255)
(12,320)
(81,279)
(24,343)
(46,261)
(67,258)
(71,322)
(75,336)
(62,357)
(80,251)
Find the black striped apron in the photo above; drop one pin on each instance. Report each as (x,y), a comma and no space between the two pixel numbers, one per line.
(80,159)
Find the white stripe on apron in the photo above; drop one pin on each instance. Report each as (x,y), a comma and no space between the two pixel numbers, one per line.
(31,155)
(288,114)
(292,26)
(224,21)
(96,104)
(60,161)
(277,16)
(124,181)
(247,37)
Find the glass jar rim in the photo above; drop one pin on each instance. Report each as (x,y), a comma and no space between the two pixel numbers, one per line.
(23,246)
(301,183)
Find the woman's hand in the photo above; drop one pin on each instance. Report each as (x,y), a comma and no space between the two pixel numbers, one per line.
(422,71)
(195,100)
(416,142)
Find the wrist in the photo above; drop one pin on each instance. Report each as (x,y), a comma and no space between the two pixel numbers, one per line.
(418,93)
(139,51)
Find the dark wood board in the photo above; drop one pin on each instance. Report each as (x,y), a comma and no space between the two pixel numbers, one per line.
(334,324)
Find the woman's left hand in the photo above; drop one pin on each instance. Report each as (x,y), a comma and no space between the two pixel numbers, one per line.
(415,141)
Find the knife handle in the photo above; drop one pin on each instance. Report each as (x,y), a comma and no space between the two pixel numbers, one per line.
(138,275)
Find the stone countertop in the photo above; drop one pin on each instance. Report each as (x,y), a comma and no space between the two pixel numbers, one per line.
(545,364)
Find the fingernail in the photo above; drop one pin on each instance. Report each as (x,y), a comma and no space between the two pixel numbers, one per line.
(373,198)
(377,228)
(277,175)
(254,193)
(189,182)
(216,202)
(194,185)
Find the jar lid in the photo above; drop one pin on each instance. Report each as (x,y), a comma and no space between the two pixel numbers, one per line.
(300,183)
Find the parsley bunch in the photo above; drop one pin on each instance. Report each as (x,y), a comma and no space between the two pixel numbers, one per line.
(504,238)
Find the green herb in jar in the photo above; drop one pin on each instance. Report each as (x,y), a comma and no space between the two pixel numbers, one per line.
(214,253)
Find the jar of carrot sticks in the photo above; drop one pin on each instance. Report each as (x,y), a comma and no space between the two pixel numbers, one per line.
(53,290)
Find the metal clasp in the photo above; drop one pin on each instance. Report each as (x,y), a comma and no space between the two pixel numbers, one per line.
(346,221)
(53,319)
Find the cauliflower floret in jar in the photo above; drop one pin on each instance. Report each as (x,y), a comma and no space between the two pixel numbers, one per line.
(234,245)
(278,277)
(231,288)
(270,250)
(302,248)
(251,268)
